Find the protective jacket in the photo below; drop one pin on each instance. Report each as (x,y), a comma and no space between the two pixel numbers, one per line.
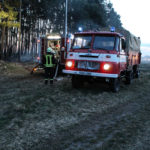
(49,60)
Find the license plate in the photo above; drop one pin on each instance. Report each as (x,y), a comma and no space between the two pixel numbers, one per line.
(85,73)
(88,65)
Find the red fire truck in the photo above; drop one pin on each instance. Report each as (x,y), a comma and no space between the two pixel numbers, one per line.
(58,45)
(107,55)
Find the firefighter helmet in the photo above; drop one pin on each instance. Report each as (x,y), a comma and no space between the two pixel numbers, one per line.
(49,49)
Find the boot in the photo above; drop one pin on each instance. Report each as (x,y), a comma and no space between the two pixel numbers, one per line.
(46,81)
(51,81)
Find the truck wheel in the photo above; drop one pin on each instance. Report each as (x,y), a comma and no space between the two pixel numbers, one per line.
(136,71)
(77,81)
(137,74)
(115,84)
(129,77)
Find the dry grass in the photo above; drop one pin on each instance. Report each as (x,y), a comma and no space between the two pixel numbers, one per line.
(31,112)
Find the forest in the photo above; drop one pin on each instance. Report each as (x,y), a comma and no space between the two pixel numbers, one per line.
(21,22)
(35,116)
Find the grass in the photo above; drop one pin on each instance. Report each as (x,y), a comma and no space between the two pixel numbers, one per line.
(32,111)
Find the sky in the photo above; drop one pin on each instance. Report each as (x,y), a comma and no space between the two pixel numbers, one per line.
(135,17)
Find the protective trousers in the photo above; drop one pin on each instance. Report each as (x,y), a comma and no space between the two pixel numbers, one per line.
(49,74)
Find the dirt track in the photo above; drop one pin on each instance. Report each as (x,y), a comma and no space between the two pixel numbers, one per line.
(38,117)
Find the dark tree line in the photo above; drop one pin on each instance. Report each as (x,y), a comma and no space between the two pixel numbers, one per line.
(40,17)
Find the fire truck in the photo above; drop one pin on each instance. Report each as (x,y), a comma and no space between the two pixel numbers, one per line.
(108,55)
(57,43)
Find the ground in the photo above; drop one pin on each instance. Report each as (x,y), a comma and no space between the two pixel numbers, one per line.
(34,116)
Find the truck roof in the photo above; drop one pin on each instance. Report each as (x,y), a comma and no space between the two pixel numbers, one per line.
(98,33)
(132,42)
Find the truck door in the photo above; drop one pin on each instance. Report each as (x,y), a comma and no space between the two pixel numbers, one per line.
(64,49)
(43,48)
(123,59)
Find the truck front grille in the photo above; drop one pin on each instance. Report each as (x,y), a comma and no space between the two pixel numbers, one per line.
(88,65)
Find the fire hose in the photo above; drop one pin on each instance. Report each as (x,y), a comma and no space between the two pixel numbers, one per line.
(56,72)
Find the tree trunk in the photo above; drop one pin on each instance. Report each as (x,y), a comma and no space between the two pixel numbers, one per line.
(2,42)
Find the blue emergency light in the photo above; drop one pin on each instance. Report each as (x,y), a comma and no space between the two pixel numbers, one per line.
(80,29)
(112,29)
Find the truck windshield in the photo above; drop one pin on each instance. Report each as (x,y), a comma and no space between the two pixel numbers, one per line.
(104,43)
(82,42)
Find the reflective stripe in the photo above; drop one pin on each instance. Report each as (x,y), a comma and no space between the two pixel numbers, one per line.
(97,57)
(49,61)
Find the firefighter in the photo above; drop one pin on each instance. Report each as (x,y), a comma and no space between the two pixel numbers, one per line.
(50,65)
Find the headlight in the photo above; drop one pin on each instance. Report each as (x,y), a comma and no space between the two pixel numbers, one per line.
(106,67)
(69,64)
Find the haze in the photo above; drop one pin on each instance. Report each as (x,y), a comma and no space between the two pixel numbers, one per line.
(135,18)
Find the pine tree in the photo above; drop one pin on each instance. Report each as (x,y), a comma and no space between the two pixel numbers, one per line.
(8,19)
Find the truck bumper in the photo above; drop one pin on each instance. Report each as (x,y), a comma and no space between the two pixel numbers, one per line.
(85,73)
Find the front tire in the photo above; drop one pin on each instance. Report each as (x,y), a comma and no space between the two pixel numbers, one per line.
(115,85)
(129,77)
(137,73)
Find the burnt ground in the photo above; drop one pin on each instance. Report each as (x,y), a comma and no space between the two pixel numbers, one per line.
(38,117)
